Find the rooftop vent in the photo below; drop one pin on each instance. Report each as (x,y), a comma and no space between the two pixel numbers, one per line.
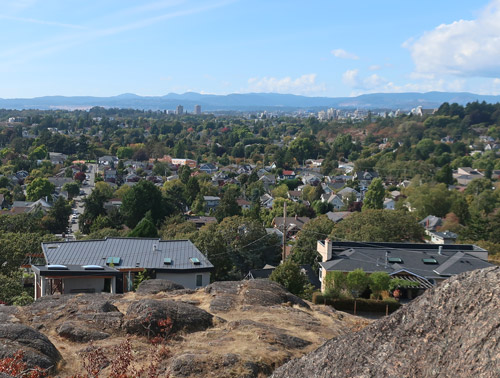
(57,267)
(92,267)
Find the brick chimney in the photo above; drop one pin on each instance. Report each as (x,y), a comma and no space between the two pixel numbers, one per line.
(325,249)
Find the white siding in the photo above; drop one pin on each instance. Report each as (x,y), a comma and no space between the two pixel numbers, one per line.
(188,280)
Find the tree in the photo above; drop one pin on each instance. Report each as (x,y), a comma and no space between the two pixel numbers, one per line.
(304,251)
(228,205)
(290,275)
(357,282)
(374,198)
(39,153)
(145,228)
(57,219)
(378,282)
(280,191)
(212,244)
(379,226)
(192,189)
(73,188)
(445,175)
(124,152)
(335,283)
(80,176)
(144,197)
(39,188)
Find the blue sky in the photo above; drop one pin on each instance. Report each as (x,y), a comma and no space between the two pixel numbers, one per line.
(315,48)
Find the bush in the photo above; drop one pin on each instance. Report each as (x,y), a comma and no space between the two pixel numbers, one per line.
(347,304)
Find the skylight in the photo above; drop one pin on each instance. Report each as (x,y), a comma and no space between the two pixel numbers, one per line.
(195,260)
(113,260)
(57,267)
(430,260)
(92,267)
(167,261)
(395,260)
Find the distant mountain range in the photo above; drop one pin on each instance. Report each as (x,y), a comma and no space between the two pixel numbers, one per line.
(249,101)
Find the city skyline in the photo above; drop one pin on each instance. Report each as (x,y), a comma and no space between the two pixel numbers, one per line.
(326,48)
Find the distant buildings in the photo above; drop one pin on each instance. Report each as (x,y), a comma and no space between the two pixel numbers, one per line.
(180,110)
(197,109)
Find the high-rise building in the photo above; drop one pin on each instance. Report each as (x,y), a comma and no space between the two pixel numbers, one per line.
(197,109)
(180,109)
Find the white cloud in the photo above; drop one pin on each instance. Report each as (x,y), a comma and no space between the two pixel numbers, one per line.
(375,67)
(342,54)
(463,48)
(377,84)
(305,84)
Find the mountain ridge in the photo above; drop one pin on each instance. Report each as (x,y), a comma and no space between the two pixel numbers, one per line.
(249,101)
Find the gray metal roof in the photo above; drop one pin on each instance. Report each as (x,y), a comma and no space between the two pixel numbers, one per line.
(133,253)
(372,258)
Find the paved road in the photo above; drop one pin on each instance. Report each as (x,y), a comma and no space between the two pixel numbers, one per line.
(87,189)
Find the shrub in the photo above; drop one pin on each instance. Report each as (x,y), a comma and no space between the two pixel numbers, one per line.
(347,304)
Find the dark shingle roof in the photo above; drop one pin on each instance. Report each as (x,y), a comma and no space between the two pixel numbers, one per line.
(371,257)
(133,253)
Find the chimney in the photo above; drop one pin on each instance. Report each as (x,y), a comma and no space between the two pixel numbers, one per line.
(325,249)
(440,250)
(296,216)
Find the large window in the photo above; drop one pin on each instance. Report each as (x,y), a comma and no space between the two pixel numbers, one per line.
(199,280)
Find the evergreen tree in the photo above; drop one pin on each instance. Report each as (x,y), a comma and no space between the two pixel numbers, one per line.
(145,228)
(374,198)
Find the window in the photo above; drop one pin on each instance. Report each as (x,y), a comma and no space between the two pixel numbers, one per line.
(167,261)
(199,280)
(430,260)
(113,261)
(195,260)
(394,260)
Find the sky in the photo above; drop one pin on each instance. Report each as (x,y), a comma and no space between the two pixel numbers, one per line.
(332,48)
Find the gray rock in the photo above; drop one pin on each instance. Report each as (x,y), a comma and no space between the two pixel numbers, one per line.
(229,294)
(79,334)
(147,313)
(157,286)
(453,330)
(37,348)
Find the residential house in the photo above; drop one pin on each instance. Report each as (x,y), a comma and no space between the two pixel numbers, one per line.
(425,264)
(294,195)
(287,175)
(95,266)
(113,203)
(59,182)
(431,223)
(201,221)
(266,200)
(347,193)
(338,216)
(180,162)
(446,237)
(57,158)
(208,168)
(109,175)
(31,207)
(107,161)
(365,178)
(268,180)
(333,200)
(293,224)
(309,179)
(211,202)
(244,204)
(389,204)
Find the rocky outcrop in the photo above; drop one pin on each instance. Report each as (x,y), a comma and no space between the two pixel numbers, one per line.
(452,330)
(143,317)
(36,347)
(229,295)
(80,334)
(157,286)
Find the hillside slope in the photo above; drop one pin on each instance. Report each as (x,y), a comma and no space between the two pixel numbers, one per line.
(452,330)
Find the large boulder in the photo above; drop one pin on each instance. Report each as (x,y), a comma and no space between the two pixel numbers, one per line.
(158,286)
(36,347)
(452,330)
(80,334)
(143,317)
(230,294)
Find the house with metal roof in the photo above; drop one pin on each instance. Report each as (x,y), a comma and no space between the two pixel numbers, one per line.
(111,264)
(426,264)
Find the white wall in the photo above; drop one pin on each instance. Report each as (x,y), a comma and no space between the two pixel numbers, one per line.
(188,280)
(83,283)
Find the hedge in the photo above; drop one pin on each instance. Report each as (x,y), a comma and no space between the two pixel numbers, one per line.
(347,304)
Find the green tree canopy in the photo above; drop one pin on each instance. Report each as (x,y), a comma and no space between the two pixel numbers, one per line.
(374,198)
(39,188)
(289,275)
(145,228)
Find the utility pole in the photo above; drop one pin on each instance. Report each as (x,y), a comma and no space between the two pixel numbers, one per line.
(284,232)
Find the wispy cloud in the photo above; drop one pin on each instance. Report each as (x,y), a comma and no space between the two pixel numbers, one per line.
(342,54)
(28,52)
(41,22)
